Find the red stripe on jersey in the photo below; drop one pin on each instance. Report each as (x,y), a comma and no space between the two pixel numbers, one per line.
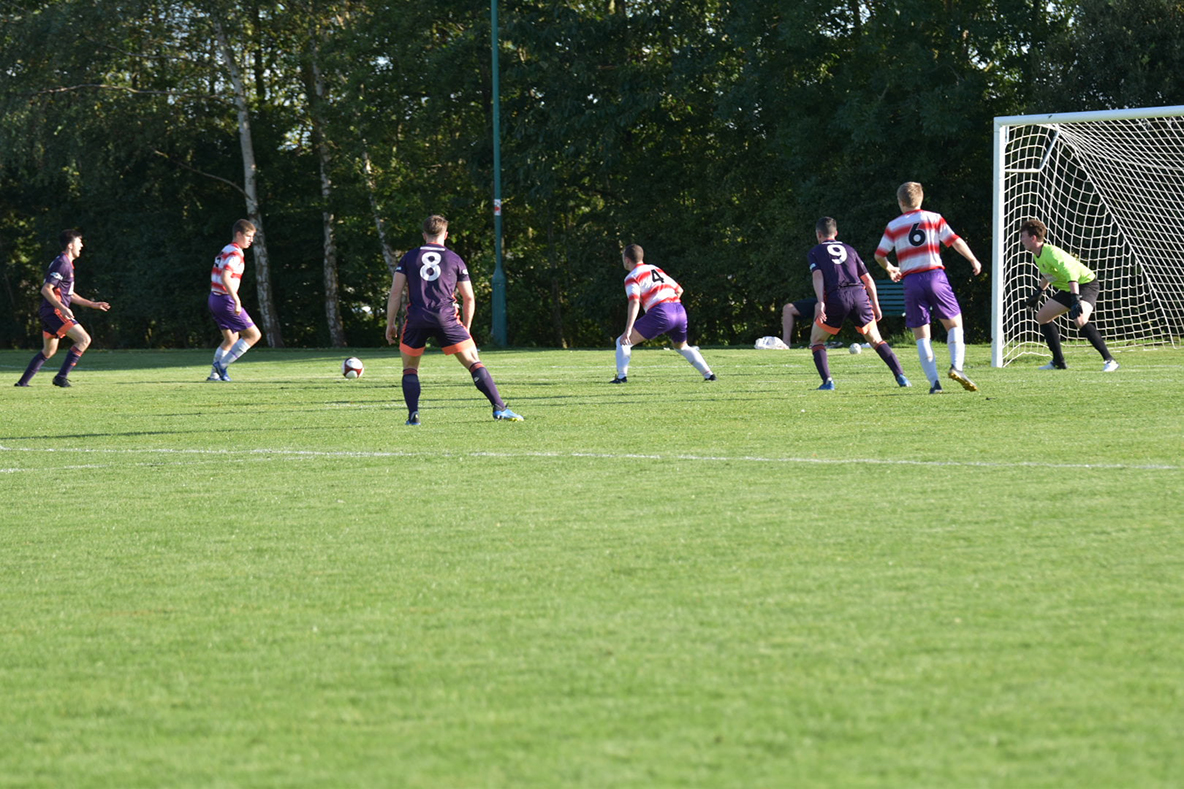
(917,238)
(652,286)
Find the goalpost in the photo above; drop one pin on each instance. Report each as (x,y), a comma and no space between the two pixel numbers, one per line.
(1110,187)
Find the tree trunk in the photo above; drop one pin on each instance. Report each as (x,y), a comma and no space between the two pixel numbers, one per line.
(316,98)
(267,311)
(388,254)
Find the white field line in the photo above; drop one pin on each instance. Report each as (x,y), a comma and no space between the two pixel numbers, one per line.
(247,454)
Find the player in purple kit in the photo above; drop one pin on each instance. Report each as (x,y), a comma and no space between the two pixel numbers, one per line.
(239,332)
(57,317)
(802,308)
(844,289)
(433,275)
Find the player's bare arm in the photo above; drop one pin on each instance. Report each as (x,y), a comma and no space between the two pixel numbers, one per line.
(52,297)
(869,285)
(893,271)
(393,303)
(963,249)
(94,305)
(231,286)
(819,288)
(468,304)
(630,318)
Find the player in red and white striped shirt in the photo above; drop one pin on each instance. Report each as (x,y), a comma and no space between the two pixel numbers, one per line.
(239,332)
(916,237)
(653,288)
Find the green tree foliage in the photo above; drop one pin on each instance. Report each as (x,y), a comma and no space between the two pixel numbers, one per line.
(712,132)
(1114,54)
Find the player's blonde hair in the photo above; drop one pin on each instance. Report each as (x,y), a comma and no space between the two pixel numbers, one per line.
(435,226)
(910,194)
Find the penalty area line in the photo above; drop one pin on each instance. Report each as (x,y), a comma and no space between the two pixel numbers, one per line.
(753,459)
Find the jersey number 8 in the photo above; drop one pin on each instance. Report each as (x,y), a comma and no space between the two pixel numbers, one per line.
(429,271)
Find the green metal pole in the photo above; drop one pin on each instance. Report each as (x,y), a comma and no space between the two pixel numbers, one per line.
(499,275)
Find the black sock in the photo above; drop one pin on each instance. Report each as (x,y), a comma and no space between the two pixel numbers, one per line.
(1052,335)
(484,383)
(411,391)
(72,358)
(889,356)
(1091,333)
(821,362)
(33,367)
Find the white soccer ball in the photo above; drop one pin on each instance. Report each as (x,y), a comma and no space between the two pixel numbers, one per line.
(352,368)
(856,348)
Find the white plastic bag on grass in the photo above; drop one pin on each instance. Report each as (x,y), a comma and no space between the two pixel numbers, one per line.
(771,344)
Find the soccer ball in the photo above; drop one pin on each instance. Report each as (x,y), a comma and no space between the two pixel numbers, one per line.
(352,368)
(856,348)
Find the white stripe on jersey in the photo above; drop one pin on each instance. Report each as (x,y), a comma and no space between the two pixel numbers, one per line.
(230,258)
(916,237)
(652,285)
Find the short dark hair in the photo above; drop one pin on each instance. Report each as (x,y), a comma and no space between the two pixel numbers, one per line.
(634,253)
(827,227)
(434,226)
(1035,228)
(243,226)
(66,237)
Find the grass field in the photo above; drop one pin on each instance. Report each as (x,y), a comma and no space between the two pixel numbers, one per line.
(669,583)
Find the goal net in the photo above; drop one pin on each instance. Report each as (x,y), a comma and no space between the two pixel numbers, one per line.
(1110,187)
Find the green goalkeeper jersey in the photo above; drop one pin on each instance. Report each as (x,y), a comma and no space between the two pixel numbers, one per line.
(1060,268)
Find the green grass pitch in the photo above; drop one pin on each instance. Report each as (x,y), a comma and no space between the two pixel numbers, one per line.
(275,583)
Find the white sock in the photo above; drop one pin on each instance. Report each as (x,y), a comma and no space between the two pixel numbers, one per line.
(624,354)
(925,352)
(692,355)
(957,347)
(236,350)
(218,354)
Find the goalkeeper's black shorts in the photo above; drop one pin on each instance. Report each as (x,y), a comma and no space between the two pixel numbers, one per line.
(1089,294)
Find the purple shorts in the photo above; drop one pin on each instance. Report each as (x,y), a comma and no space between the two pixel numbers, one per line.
(669,318)
(847,303)
(222,308)
(925,291)
(445,327)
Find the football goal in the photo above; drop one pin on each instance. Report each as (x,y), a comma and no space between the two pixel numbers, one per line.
(1110,187)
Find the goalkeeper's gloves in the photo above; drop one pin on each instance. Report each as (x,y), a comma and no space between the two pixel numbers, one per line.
(1076,309)
(1033,301)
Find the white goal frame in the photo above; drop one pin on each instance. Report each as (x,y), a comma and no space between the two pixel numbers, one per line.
(1067,170)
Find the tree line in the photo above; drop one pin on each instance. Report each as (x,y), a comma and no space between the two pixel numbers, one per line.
(712,132)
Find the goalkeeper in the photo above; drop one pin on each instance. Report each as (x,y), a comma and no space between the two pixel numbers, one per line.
(1075,290)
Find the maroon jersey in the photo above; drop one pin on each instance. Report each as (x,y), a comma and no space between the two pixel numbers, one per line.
(432,273)
(840,265)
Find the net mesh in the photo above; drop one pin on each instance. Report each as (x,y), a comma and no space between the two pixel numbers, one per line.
(1112,194)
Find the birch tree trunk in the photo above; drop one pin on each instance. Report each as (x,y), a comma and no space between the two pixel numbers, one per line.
(388,254)
(267,310)
(316,99)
